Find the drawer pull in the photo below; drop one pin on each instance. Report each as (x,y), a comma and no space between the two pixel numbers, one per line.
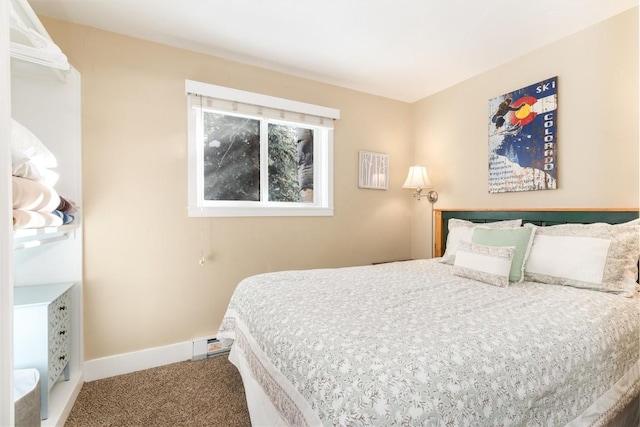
(63,357)
(63,332)
(62,308)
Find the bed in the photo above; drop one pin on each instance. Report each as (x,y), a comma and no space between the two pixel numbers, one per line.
(447,341)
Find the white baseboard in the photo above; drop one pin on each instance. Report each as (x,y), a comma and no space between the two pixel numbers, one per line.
(125,363)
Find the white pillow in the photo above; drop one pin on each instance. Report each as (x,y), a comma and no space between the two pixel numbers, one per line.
(488,264)
(632,222)
(461,230)
(26,146)
(29,170)
(583,258)
(598,256)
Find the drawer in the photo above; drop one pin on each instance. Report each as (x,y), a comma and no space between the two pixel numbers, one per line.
(59,310)
(59,322)
(58,336)
(59,330)
(58,362)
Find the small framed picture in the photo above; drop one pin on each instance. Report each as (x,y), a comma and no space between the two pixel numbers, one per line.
(374,170)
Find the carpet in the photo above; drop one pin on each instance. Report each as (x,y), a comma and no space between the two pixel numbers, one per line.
(208,392)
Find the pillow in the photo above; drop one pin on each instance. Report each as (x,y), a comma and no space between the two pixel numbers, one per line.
(521,238)
(29,170)
(598,256)
(26,146)
(460,229)
(488,264)
(632,222)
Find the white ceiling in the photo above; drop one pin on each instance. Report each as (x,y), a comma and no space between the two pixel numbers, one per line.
(400,49)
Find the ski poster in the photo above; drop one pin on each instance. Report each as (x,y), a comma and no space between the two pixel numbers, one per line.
(523,129)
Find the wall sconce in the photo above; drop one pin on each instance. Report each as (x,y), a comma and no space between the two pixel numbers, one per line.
(419,180)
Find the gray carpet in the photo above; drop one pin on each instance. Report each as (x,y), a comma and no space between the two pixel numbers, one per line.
(202,393)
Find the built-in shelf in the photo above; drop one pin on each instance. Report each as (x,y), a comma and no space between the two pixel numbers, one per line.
(43,94)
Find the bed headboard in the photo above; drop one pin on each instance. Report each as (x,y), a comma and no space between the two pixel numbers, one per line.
(534,216)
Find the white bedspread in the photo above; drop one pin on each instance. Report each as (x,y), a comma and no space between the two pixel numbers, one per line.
(410,344)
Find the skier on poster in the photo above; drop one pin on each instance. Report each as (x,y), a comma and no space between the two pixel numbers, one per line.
(504,108)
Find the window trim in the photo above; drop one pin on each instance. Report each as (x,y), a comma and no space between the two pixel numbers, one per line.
(196,206)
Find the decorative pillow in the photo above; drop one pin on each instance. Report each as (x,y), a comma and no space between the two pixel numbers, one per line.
(521,238)
(26,146)
(598,256)
(461,230)
(488,264)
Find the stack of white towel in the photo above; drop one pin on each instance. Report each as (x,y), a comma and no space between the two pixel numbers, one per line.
(35,201)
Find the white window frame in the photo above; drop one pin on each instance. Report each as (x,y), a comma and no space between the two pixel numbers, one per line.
(322,167)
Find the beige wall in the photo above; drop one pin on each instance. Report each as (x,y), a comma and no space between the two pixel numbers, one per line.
(143,285)
(598,156)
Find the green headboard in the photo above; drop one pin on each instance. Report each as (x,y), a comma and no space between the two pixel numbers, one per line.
(539,217)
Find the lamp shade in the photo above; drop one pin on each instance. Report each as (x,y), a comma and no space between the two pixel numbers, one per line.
(417,178)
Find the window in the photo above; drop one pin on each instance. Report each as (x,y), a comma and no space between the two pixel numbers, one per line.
(256,155)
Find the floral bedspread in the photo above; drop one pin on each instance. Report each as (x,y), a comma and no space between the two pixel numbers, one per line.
(410,344)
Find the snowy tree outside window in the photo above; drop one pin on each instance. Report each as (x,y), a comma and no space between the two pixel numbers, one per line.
(254,155)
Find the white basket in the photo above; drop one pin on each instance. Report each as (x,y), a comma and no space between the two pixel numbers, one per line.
(26,393)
